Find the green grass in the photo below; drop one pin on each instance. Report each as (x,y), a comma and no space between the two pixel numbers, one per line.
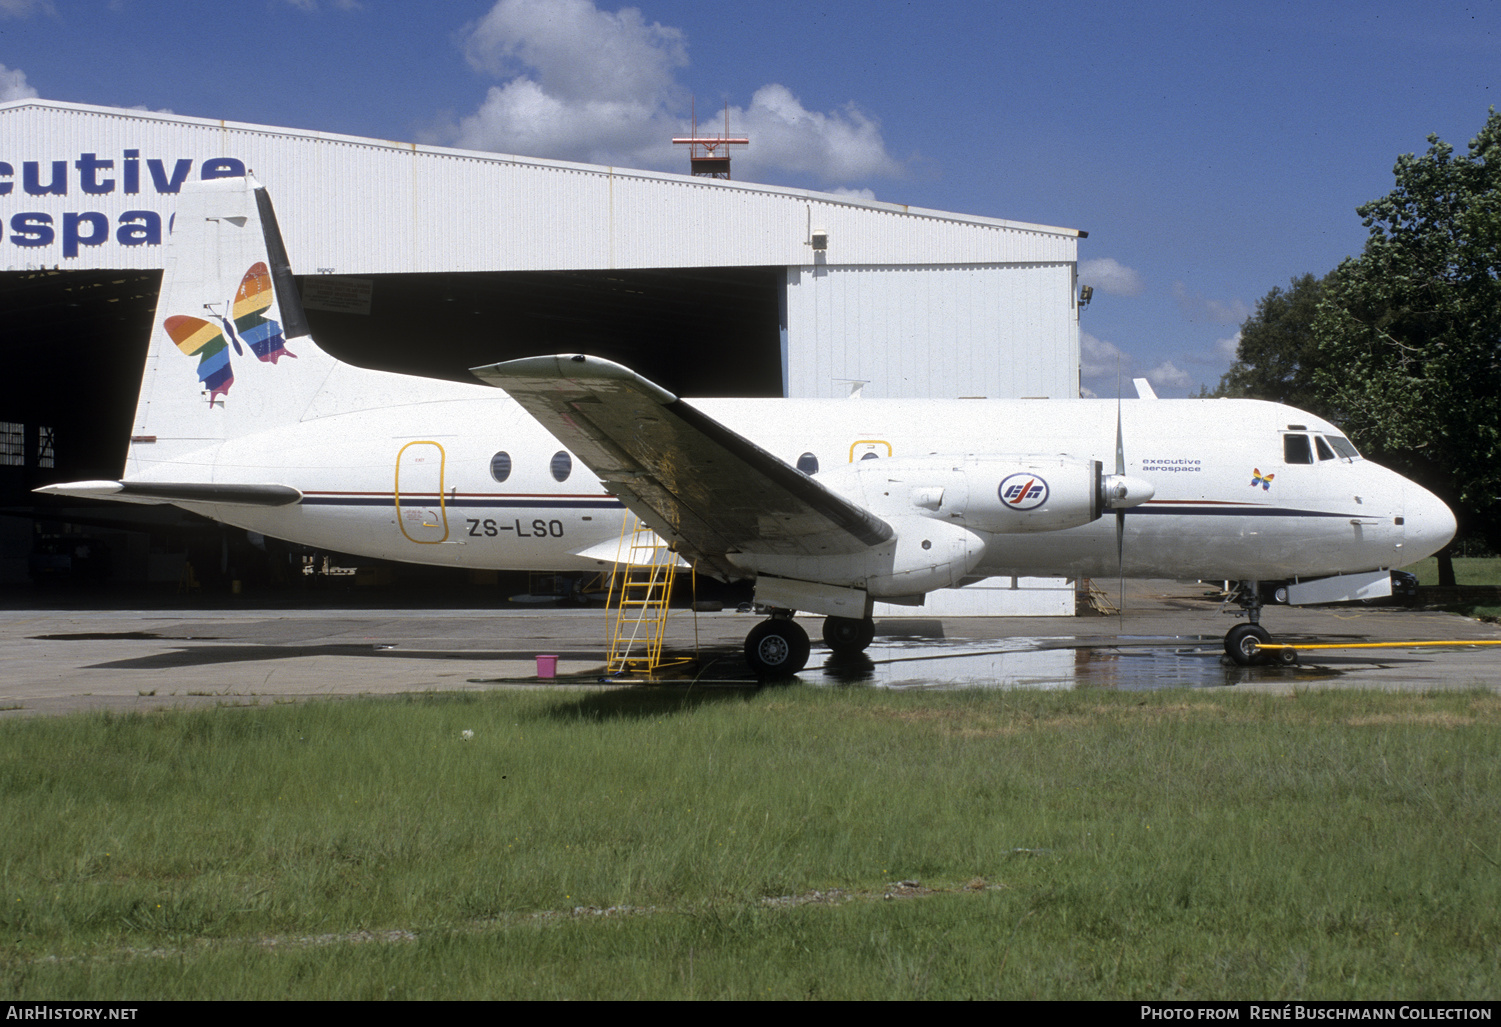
(1468,570)
(1471,570)
(1069,845)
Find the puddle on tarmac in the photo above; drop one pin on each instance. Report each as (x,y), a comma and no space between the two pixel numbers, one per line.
(1131,664)
(121,636)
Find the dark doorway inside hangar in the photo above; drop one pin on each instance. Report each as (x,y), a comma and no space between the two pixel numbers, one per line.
(74,344)
(74,341)
(695,331)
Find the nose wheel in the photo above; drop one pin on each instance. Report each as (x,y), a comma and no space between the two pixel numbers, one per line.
(1242,642)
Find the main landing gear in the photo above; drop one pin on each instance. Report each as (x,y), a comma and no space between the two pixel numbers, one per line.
(848,636)
(1242,642)
(779,647)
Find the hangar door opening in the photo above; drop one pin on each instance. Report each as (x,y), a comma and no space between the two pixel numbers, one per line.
(695,331)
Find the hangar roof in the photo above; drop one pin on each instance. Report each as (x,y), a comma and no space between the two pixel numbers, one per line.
(81,184)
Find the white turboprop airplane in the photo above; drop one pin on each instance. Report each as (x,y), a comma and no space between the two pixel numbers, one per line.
(243,419)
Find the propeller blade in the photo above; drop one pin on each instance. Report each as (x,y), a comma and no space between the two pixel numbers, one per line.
(1120,448)
(1120,514)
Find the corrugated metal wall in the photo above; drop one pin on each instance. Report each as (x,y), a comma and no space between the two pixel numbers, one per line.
(391,207)
(992,331)
(919,303)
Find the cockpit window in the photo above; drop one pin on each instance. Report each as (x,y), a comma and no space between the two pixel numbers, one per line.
(1295,449)
(1343,447)
(1325,453)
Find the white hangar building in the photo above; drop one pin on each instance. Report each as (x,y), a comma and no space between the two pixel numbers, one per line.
(432,260)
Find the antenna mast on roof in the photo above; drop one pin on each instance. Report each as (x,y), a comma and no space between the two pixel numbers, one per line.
(709,156)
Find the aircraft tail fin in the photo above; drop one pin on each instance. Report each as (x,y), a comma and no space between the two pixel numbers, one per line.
(230,351)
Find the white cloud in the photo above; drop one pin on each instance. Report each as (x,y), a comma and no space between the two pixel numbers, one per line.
(854,194)
(521,117)
(1100,359)
(579,53)
(588,85)
(1110,276)
(1104,368)
(786,136)
(1168,376)
(25,8)
(1228,349)
(13,84)
(1198,307)
(311,6)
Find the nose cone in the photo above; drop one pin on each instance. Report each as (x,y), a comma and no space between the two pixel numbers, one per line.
(1428,523)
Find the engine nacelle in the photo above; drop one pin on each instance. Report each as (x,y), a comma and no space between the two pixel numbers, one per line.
(927,553)
(994,494)
(942,509)
(1031,494)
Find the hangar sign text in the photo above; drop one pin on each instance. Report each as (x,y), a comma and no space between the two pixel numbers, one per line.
(92,180)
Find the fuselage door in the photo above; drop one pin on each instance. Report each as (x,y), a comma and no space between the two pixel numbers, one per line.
(420,510)
(869,449)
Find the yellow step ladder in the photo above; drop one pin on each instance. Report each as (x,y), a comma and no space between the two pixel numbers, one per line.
(637,605)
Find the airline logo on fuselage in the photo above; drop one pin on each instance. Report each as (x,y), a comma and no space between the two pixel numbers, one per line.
(1023,491)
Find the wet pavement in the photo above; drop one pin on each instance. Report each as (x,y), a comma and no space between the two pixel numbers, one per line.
(1171,636)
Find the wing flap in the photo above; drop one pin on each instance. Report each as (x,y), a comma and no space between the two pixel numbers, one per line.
(693,481)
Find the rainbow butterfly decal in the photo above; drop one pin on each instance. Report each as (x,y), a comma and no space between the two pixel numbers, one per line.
(1264,480)
(195,336)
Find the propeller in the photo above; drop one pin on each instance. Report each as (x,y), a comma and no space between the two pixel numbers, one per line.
(1120,512)
(1120,494)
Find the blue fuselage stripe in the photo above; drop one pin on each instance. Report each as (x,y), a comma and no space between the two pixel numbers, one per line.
(1236,511)
(461,503)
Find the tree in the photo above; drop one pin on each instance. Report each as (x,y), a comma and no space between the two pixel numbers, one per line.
(1278,354)
(1409,332)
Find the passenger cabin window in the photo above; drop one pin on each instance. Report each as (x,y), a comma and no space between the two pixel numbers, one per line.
(871,456)
(1325,453)
(1295,449)
(500,466)
(562,466)
(808,464)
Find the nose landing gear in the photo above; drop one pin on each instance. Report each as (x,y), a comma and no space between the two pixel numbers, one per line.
(1243,642)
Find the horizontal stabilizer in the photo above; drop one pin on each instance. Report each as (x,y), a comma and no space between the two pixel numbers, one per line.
(694,481)
(177,492)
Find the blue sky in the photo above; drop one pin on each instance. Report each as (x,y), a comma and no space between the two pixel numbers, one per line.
(1212,151)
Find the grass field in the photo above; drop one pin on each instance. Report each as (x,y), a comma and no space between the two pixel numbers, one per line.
(1472,570)
(1468,570)
(655,843)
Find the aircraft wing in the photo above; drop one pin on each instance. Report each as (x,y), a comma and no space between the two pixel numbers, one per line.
(694,481)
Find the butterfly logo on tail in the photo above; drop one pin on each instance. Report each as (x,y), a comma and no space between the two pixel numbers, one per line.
(210,342)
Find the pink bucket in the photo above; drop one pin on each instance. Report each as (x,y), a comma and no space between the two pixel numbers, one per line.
(547,666)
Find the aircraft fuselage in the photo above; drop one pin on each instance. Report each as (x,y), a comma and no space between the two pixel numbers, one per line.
(423,483)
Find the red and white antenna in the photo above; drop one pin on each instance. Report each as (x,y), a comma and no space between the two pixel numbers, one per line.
(709,156)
